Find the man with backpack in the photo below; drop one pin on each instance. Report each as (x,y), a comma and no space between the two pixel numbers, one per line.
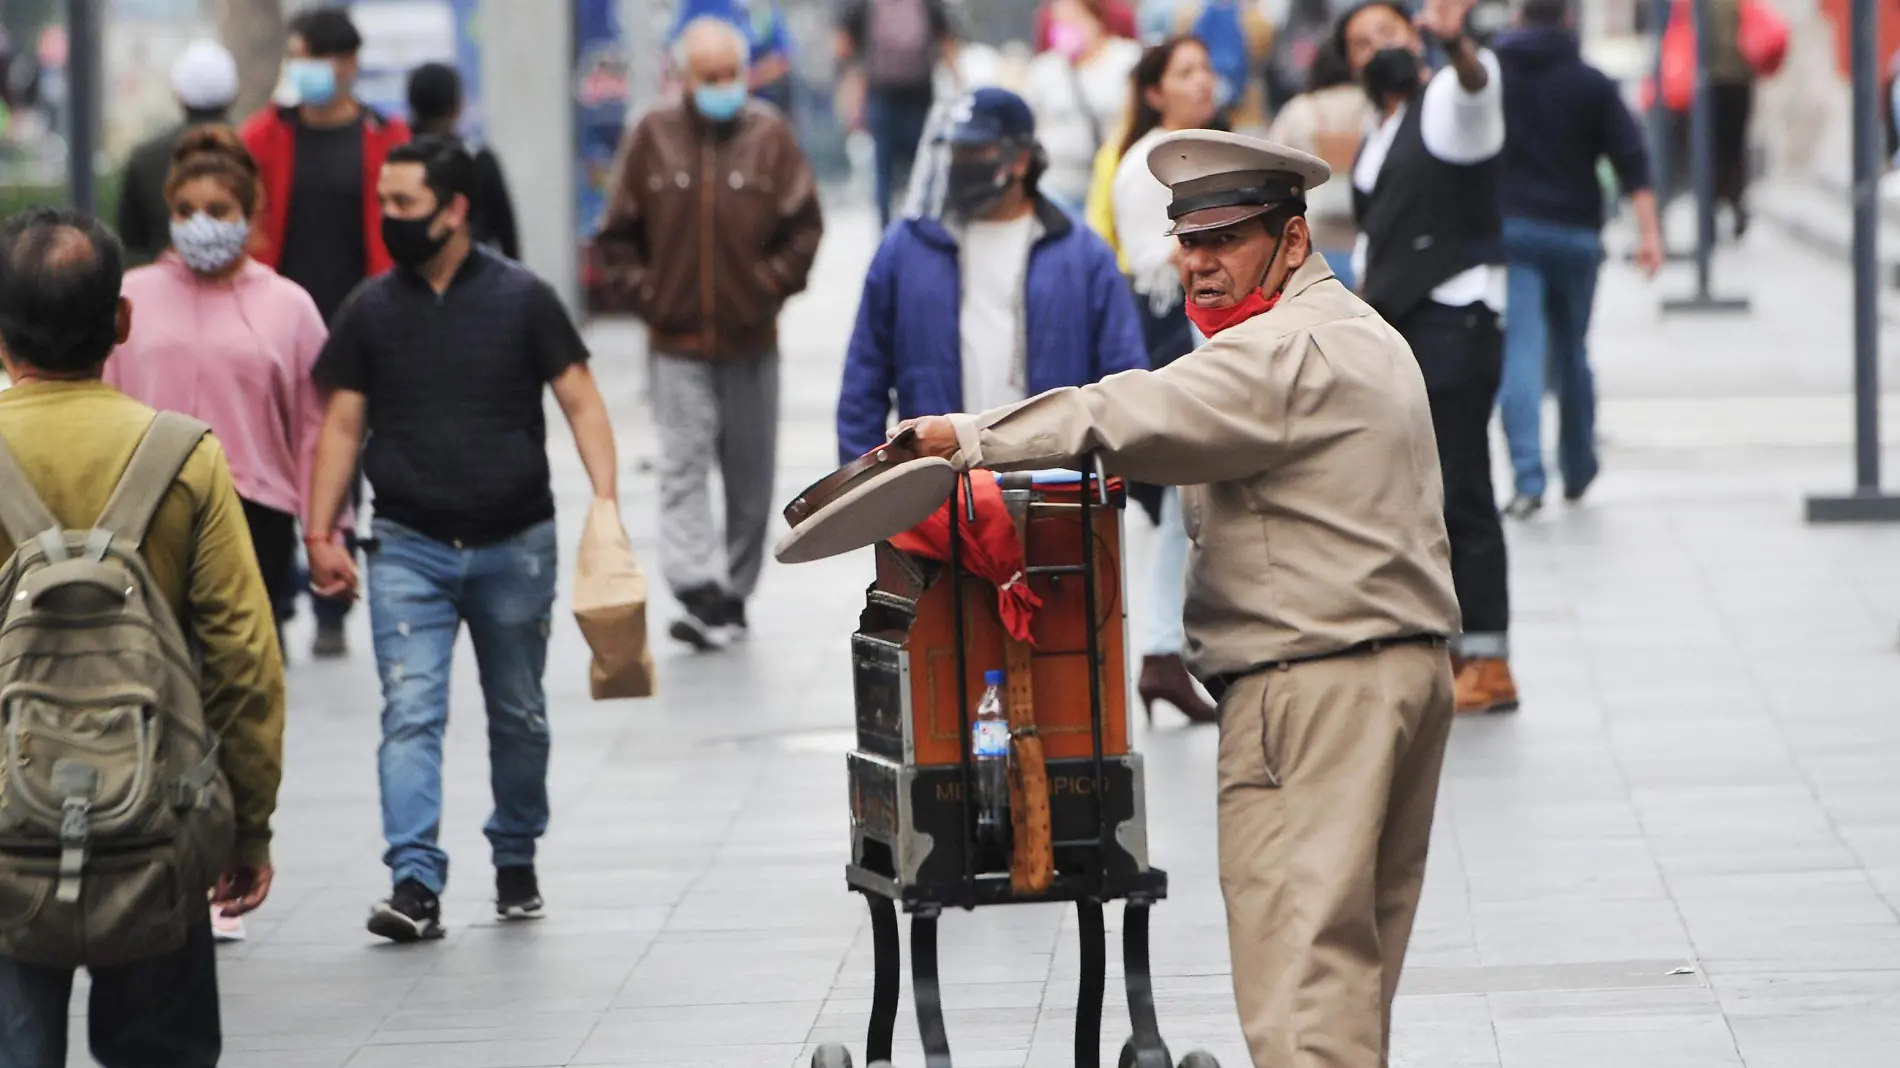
(897,44)
(141,687)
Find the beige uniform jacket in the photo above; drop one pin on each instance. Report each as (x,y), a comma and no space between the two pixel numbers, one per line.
(1312,496)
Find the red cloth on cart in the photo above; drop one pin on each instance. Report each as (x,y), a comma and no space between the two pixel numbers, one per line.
(990,549)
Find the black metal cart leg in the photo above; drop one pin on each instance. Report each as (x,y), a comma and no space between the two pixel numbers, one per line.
(923,982)
(1145,1049)
(884,941)
(1088,1001)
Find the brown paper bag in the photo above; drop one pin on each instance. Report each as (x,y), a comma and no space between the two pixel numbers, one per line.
(610,604)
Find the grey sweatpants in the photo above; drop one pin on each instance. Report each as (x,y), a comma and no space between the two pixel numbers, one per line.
(725,410)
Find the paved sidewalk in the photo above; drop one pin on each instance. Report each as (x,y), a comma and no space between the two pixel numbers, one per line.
(1683,853)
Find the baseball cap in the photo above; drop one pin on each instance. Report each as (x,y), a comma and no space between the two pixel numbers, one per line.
(988,116)
(205,76)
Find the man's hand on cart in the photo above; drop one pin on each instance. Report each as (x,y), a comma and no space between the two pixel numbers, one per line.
(934,435)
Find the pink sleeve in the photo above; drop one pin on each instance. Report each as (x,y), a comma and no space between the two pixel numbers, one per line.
(307,420)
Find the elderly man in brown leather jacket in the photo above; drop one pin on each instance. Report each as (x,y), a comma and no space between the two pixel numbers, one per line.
(713,222)
(1319,588)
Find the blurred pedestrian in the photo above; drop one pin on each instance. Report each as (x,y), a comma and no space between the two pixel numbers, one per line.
(1238,37)
(1732,105)
(435,105)
(1171,89)
(205,83)
(1430,259)
(72,437)
(768,43)
(1078,90)
(319,158)
(712,224)
(1561,115)
(444,361)
(1328,121)
(1039,302)
(1118,19)
(231,343)
(897,44)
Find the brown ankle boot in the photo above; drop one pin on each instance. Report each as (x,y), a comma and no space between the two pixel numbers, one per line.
(1166,678)
(1484,684)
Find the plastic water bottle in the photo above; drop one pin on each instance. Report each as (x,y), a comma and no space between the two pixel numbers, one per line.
(989,751)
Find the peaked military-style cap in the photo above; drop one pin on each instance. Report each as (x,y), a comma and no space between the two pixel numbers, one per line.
(1219,179)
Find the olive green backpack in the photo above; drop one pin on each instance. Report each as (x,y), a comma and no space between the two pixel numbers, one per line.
(115,819)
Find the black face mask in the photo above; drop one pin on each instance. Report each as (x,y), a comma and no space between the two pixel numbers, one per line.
(971,187)
(409,241)
(1391,71)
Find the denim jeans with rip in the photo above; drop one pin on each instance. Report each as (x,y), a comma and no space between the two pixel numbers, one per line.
(421,592)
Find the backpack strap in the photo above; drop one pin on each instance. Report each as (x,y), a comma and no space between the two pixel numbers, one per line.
(23,517)
(161,455)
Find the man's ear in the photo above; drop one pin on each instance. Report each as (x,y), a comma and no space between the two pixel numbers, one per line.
(125,320)
(1298,238)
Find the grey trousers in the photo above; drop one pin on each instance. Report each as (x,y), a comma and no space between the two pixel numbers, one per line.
(724,410)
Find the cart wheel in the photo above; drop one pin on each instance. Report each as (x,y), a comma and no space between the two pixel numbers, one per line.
(1199,1058)
(831,1056)
(1129,1058)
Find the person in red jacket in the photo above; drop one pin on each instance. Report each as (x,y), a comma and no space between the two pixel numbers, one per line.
(320,159)
(322,225)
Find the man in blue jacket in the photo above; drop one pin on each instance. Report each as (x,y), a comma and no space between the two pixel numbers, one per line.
(1561,115)
(995,296)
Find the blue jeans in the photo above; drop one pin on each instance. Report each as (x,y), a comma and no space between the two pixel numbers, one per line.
(1553,271)
(421,591)
(162,1011)
(896,122)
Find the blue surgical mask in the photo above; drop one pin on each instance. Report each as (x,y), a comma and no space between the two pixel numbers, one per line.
(720,103)
(314,80)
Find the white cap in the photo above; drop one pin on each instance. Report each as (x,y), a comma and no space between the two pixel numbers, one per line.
(205,77)
(1219,179)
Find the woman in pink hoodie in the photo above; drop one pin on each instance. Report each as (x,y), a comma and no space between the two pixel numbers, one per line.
(222,338)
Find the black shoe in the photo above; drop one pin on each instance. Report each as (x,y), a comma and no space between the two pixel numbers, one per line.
(517,894)
(734,618)
(410,914)
(330,643)
(703,624)
(1574,493)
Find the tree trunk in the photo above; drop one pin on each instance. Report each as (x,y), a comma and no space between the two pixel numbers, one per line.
(254,32)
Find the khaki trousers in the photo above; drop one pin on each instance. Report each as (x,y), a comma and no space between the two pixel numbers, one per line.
(1328,775)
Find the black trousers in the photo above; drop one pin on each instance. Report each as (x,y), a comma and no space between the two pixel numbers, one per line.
(1461,352)
(160,1013)
(274,537)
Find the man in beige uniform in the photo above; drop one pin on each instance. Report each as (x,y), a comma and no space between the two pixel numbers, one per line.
(1319,596)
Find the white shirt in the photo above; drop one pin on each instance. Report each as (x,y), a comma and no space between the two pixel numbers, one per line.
(1459,128)
(1142,224)
(1065,98)
(995,265)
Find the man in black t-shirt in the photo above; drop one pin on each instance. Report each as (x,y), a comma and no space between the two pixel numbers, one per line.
(443,362)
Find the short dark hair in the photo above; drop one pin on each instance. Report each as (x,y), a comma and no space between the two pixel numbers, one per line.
(435,93)
(59,289)
(327,32)
(1345,20)
(447,166)
(1547,13)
